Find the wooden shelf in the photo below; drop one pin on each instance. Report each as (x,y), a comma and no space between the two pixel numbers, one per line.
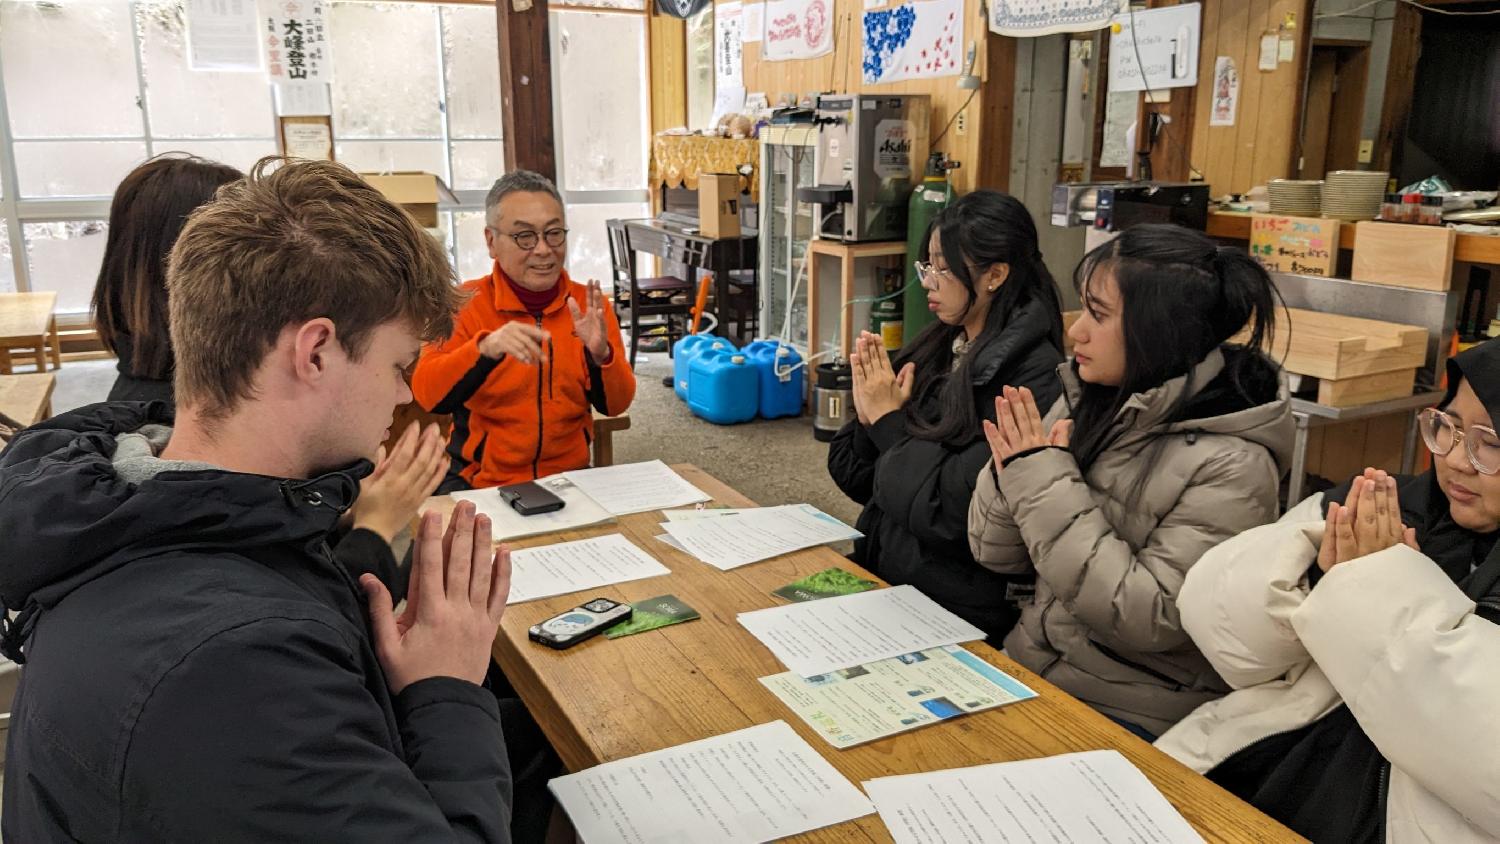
(1471,248)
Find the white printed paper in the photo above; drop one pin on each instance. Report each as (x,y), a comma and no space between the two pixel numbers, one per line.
(636,487)
(917,40)
(797,29)
(757,784)
(574,566)
(756,534)
(878,699)
(303,99)
(295,34)
(752,22)
(1267,59)
(1226,93)
(311,141)
(1092,796)
(1166,41)
(697,513)
(820,637)
(222,35)
(728,47)
(578,510)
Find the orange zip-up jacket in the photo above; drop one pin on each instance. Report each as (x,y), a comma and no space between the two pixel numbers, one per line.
(515,421)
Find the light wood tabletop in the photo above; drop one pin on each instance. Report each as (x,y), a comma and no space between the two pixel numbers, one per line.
(27,398)
(611,699)
(27,322)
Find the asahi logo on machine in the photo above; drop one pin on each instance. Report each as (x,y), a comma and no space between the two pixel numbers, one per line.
(893,139)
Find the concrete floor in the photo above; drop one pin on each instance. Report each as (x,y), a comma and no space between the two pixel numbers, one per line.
(773,461)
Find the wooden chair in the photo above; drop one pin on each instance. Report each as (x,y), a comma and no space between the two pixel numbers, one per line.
(603,438)
(649,297)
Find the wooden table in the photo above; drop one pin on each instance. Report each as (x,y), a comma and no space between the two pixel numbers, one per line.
(27,398)
(611,699)
(716,256)
(27,322)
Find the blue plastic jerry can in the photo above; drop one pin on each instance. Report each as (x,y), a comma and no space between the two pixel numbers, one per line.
(780,374)
(723,387)
(683,353)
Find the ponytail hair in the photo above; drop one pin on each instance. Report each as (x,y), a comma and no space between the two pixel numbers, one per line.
(978,231)
(1181,297)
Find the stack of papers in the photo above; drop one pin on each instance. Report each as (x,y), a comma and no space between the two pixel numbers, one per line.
(757,784)
(880,699)
(574,566)
(578,510)
(749,536)
(1092,796)
(821,637)
(636,487)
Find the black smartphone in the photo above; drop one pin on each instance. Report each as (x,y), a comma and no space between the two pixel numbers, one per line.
(530,498)
(565,630)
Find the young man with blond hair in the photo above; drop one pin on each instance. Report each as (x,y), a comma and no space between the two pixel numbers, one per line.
(199,666)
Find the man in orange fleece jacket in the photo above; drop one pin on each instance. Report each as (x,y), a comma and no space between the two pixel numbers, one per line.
(532,350)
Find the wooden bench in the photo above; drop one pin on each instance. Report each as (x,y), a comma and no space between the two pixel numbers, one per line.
(26,399)
(27,324)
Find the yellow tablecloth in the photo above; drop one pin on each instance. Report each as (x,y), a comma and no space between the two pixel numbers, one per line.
(676,160)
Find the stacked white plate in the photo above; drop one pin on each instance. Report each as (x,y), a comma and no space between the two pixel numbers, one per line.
(1354,194)
(1296,197)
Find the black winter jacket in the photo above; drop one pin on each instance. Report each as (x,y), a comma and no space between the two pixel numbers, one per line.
(916,492)
(198,665)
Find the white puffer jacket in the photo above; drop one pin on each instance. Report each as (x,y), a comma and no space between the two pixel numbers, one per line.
(1388,634)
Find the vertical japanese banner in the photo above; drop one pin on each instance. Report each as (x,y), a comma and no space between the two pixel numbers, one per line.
(295,34)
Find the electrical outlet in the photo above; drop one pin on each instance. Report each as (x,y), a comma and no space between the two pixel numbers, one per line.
(1366,150)
(961,125)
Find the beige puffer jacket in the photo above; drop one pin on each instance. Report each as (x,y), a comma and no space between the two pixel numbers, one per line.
(1103,624)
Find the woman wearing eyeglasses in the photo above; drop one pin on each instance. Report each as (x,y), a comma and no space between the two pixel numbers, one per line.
(1362,632)
(533,352)
(913,452)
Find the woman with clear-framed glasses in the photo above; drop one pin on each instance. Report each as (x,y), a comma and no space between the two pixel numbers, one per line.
(912,453)
(1362,633)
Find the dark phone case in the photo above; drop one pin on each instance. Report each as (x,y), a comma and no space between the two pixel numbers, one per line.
(530,498)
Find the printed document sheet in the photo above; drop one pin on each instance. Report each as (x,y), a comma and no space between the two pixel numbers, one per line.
(574,566)
(761,533)
(636,487)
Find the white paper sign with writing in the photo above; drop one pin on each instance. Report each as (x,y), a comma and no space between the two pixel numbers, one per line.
(295,35)
(797,29)
(1164,41)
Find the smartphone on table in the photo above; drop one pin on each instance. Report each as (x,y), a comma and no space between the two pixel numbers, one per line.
(567,629)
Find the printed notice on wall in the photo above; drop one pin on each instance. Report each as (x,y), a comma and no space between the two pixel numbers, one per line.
(221,35)
(1298,245)
(728,47)
(752,22)
(798,29)
(295,34)
(1156,49)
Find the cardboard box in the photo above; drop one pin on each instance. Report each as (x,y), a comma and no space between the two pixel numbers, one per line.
(421,194)
(719,205)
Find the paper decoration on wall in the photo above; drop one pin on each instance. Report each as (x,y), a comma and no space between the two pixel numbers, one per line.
(915,40)
(222,35)
(682,8)
(1226,92)
(295,33)
(1300,245)
(1164,41)
(752,22)
(728,48)
(798,29)
(1031,18)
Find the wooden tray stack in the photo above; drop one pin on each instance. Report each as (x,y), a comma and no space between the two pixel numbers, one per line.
(1356,361)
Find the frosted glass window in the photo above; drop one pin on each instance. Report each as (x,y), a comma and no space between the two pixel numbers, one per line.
(7,261)
(700,69)
(601,74)
(385,70)
(472,256)
(69,69)
(392,156)
(471,52)
(607,4)
(477,164)
(185,103)
(65,257)
(588,237)
(240,155)
(74,168)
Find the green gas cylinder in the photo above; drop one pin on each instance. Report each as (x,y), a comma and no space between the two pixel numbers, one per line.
(931,196)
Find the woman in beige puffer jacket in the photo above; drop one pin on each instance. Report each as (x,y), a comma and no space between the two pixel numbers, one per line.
(1167,441)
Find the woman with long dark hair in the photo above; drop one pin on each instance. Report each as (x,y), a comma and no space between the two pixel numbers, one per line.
(913,452)
(1168,440)
(130,298)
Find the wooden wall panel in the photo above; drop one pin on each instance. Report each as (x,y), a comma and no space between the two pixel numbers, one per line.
(668,72)
(839,72)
